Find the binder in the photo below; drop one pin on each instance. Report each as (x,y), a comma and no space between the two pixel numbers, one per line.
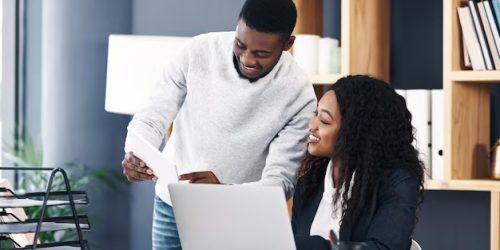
(401,92)
(437,134)
(418,102)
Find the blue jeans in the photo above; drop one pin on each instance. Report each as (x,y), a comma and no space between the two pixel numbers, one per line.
(165,235)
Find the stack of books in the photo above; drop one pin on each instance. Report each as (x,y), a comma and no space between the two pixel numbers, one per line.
(479,21)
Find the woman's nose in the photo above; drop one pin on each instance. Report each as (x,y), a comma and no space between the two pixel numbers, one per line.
(312,124)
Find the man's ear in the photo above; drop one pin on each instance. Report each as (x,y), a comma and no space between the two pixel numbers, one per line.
(289,43)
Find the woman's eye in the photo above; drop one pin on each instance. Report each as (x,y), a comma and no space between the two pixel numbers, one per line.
(324,122)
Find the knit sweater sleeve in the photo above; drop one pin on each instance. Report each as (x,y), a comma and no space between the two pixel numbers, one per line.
(287,149)
(153,120)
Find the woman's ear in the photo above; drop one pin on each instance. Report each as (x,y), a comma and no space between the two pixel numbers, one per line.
(289,43)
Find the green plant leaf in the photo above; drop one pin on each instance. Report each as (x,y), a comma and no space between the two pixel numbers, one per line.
(25,153)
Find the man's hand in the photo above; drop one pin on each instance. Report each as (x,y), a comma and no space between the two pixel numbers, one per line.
(135,169)
(200,177)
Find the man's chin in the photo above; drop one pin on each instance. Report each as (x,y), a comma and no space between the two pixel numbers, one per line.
(249,76)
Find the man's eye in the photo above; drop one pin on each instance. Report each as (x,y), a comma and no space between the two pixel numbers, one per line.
(262,55)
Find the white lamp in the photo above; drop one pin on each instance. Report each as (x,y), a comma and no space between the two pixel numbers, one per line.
(135,64)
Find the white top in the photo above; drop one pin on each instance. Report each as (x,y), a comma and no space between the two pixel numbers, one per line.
(245,132)
(328,216)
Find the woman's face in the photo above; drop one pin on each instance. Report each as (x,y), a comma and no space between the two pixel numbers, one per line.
(324,126)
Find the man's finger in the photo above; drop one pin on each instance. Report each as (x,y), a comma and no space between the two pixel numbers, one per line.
(130,160)
(130,157)
(136,176)
(187,177)
(196,175)
(134,159)
(198,180)
(140,169)
(136,168)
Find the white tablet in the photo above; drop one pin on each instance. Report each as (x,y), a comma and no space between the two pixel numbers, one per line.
(154,159)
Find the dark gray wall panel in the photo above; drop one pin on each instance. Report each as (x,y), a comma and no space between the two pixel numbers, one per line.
(74,125)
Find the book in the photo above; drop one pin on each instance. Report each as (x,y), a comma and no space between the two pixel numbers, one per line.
(489,34)
(467,63)
(495,4)
(470,39)
(478,27)
(493,24)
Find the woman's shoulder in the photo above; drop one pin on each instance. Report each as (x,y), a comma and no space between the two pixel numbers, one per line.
(400,173)
(400,179)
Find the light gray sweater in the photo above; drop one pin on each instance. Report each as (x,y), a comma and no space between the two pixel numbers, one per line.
(245,132)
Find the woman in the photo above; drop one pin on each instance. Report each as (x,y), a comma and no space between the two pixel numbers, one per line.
(361,177)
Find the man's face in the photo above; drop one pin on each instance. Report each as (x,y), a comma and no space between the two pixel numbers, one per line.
(257,52)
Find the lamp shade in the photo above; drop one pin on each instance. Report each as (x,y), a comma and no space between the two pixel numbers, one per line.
(135,64)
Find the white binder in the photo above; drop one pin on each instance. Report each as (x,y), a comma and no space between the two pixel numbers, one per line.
(419,104)
(437,129)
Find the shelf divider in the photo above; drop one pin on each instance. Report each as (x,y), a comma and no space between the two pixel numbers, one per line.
(495,220)
(463,185)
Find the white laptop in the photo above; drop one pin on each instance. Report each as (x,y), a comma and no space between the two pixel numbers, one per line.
(231,217)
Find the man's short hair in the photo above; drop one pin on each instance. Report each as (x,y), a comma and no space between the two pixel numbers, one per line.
(270,16)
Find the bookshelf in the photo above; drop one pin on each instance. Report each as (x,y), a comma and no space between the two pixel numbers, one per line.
(364,36)
(365,50)
(466,121)
(325,79)
(364,39)
(477,77)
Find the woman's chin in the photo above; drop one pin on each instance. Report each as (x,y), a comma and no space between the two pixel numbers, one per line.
(312,150)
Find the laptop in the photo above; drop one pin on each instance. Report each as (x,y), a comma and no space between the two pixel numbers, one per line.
(230,217)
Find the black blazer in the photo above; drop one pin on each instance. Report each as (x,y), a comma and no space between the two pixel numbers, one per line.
(386,223)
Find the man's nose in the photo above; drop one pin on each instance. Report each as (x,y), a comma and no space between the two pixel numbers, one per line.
(248,59)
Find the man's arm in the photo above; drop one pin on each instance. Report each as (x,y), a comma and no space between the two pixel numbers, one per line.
(287,149)
(153,120)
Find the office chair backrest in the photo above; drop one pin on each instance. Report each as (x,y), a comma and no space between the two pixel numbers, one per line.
(415,245)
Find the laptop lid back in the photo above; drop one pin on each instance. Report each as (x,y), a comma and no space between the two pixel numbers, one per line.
(231,217)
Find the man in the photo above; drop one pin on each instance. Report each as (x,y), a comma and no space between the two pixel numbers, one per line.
(239,105)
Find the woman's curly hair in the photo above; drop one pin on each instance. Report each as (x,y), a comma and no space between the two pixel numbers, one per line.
(375,135)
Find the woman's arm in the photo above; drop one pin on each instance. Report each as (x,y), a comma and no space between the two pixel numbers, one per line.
(394,220)
(306,242)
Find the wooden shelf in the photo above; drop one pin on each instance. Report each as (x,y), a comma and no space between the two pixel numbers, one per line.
(325,79)
(364,36)
(466,121)
(463,185)
(489,76)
